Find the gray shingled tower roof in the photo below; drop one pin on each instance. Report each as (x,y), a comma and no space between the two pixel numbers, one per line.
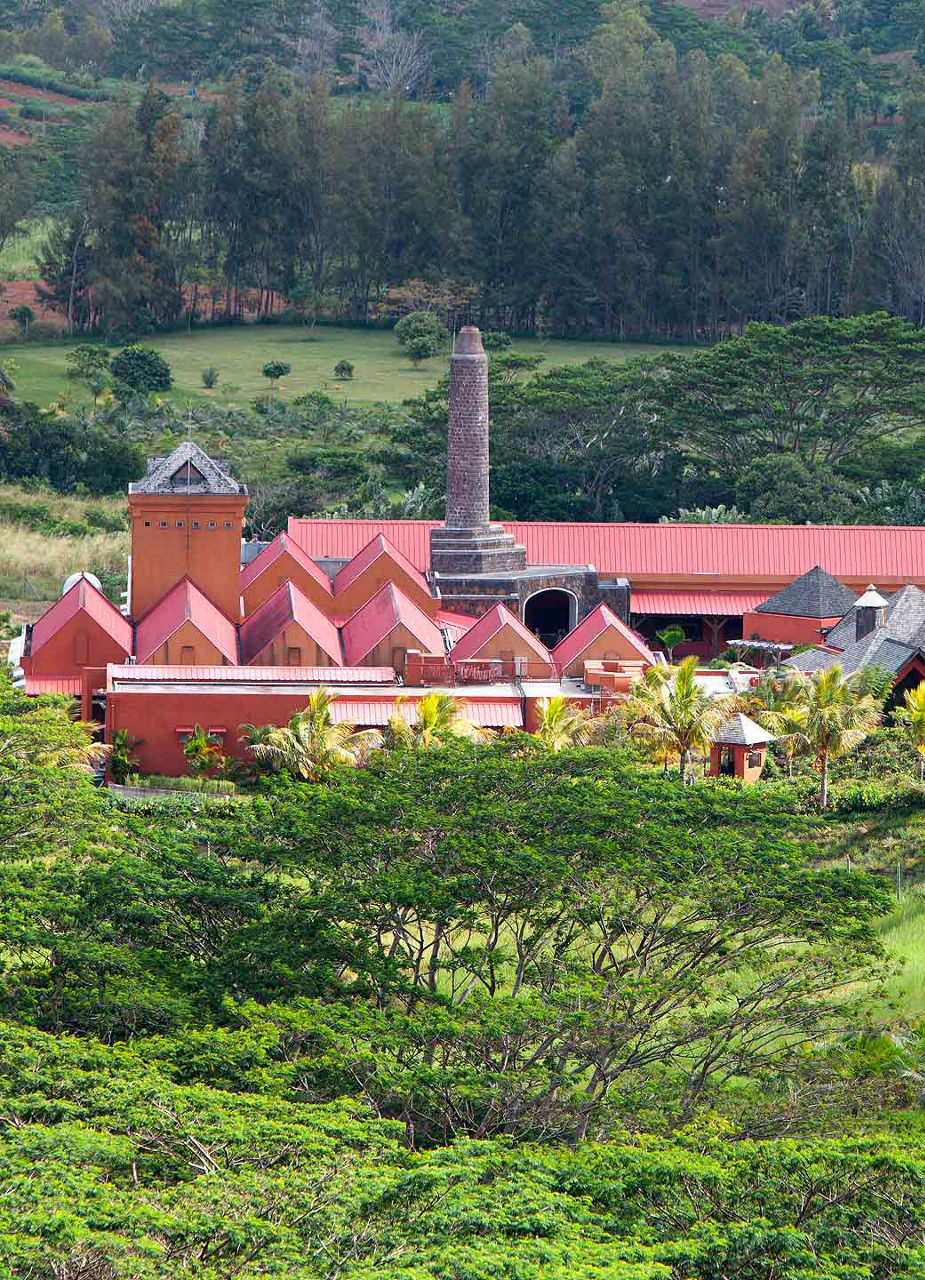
(187,470)
(815,595)
(741,732)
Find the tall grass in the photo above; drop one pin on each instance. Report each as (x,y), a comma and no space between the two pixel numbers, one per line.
(17,260)
(903,933)
(33,566)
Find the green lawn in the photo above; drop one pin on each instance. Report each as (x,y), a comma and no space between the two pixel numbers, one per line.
(382,371)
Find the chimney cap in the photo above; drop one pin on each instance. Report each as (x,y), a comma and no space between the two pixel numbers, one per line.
(468,342)
(871,599)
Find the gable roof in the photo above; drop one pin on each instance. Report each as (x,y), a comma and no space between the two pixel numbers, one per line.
(83,597)
(589,629)
(490,623)
(815,594)
(378,546)
(740,731)
(287,604)
(373,621)
(188,469)
(184,602)
(283,545)
(775,553)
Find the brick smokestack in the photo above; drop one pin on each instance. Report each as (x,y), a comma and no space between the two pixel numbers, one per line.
(467,436)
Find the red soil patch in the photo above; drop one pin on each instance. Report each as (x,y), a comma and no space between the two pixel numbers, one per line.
(10,139)
(47,95)
(5,104)
(17,293)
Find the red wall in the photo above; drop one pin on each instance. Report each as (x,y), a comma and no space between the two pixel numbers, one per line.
(167,547)
(782,628)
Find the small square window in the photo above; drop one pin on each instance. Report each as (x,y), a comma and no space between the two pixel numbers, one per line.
(195,524)
(212,524)
(163,524)
(227,524)
(147,524)
(179,524)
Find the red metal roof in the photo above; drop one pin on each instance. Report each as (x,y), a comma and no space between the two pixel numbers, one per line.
(490,713)
(52,684)
(589,629)
(287,604)
(83,597)
(282,545)
(368,555)
(248,675)
(373,621)
(184,602)
(777,552)
(725,604)
(499,616)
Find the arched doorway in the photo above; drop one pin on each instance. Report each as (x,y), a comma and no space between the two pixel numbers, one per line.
(551,614)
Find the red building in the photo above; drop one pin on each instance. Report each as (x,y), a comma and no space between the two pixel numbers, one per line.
(503,615)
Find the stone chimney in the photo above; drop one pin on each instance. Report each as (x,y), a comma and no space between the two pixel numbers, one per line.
(869,613)
(467,435)
(468,543)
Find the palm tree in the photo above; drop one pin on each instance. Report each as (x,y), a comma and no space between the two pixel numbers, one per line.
(779,707)
(122,758)
(438,718)
(312,743)
(912,717)
(562,724)
(201,752)
(839,715)
(669,709)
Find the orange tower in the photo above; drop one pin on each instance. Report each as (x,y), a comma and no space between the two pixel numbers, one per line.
(187,515)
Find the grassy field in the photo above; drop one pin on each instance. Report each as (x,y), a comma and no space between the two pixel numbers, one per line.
(382,371)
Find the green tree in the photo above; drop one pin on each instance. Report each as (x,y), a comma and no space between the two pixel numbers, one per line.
(141,368)
(778,705)
(911,715)
(839,716)
(313,743)
(23,316)
(421,334)
(437,720)
(122,759)
(667,708)
(562,724)
(274,370)
(671,636)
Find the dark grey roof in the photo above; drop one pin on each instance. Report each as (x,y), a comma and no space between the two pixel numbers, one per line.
(814,595)
(902,618)
(200,474)
(890,646)
(740,731)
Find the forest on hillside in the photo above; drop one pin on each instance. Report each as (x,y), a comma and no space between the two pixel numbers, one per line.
(620,170)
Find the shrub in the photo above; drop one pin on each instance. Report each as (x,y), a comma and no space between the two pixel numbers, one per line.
(496,339)
(23,316)
(158,782)
(209,377)
(421,335)
(344,369)
(142,369)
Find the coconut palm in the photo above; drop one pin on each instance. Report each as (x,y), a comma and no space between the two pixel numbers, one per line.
(779,707)
(911,715)
(669,710)
(839,716)
(562,724)
(438,718)
(312,743)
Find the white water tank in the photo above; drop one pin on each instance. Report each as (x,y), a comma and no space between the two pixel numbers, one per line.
(75,577)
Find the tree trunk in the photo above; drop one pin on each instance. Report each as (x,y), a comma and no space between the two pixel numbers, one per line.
(824,783)
(922,766)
